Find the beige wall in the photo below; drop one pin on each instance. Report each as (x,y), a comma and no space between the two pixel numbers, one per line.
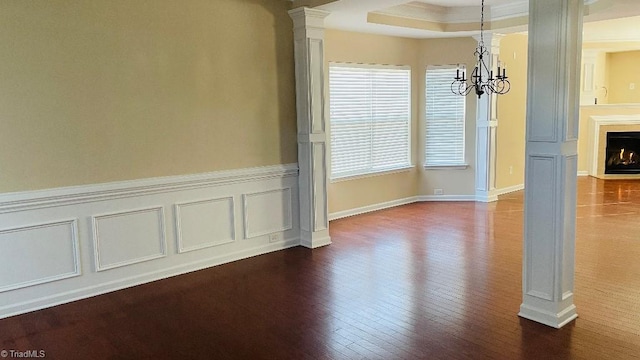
(342,46)
(512,113)
(623,71)
(452,182)
(98,91)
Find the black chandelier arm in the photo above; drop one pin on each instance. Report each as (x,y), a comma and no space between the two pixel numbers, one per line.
(460,87)
(495,86)
(500,86)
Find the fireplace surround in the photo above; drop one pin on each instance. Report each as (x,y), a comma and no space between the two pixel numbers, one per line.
(599,127)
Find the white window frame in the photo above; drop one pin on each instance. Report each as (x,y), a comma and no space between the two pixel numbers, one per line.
(372,169)
(445,96)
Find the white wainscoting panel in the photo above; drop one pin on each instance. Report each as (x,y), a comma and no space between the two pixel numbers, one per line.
(128,237)
(267,212)
(38,254)
(128,233)
(205,223)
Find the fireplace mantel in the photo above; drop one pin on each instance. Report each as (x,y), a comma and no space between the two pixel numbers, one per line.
(599,126)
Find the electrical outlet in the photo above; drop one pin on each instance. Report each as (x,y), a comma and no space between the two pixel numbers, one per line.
(510,170)
(438,192)
(274,238)
(632,86)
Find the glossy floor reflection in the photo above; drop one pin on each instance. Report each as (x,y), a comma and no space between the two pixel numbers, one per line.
(422,281)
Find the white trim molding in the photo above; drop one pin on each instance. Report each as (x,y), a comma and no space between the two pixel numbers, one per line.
(128,233)
(447,198)
(370,208)
(38,199)
(420,198)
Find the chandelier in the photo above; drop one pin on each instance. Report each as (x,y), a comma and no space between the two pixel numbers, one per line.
(482,79)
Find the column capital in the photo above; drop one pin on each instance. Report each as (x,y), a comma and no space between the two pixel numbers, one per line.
(306,18)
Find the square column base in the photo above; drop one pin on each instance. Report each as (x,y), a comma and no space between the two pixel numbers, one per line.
(556,320)
(313,240)
(486,196)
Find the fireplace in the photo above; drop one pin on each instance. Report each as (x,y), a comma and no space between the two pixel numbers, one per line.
(597,156)
(623,153)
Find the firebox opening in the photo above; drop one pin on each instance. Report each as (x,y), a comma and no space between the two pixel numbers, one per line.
(623,153)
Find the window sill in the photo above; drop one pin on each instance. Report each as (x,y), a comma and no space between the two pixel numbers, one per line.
(447,167)
(378,173)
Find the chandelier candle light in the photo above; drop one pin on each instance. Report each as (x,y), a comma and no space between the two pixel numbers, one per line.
(481,84)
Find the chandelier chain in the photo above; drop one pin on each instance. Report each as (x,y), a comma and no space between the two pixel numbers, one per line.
(482,24)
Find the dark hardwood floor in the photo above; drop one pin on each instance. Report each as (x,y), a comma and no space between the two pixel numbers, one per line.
(422,281)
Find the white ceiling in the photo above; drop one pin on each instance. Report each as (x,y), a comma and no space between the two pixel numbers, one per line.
(622,17)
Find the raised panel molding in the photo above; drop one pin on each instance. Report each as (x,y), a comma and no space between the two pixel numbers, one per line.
(123,235)
(205,223)
(321,220)
(316,78)
(38,254)
(128,237)
(541,226)
(276,203)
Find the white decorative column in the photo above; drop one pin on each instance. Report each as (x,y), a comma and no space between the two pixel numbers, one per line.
(486,126)
(308,30)
(555,41)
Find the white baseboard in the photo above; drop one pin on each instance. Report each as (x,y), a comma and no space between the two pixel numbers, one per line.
(420,198)
(509,189)
(583,173)
(447,198)
(84,241)
(486,197)
(370,208)
(400,202)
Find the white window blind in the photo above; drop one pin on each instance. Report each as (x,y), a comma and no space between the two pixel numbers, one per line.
(370,109)
(444,118)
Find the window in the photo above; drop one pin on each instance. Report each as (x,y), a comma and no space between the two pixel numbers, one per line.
(370,109)
(444,118)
